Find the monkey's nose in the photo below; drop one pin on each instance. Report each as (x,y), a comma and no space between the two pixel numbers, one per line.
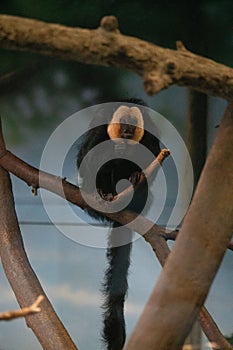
(126,135)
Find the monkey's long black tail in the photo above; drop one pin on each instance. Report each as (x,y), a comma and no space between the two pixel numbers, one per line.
(115,287)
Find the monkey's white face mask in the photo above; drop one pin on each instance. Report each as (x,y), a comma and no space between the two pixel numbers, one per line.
(126,127)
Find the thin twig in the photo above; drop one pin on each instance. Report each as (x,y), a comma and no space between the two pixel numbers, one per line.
(211,330)
(34,308)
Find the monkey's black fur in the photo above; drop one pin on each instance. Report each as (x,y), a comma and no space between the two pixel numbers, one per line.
(115,284)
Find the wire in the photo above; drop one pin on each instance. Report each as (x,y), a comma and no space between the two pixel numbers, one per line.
(48,223)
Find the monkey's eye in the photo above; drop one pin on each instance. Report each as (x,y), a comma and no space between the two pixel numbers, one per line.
(128,119)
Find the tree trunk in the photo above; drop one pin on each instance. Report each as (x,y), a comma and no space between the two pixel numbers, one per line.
(190,268)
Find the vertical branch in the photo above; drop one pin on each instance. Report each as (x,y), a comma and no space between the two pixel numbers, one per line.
(45,324)
(187,275)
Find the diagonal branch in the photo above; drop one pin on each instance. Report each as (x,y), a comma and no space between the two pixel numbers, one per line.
(146,173)
(208,325)
(159,67)
(211,330)
(188,273)
(45,324)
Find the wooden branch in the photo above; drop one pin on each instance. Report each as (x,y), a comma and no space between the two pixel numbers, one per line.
(36,179)
(218,342)
(46,325)
(145,174)
(28,310)
(208,325)
(172,235)
(188,273)
(159,67)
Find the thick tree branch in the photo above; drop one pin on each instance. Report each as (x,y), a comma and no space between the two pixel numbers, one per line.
(159,67)
(174,305)
(46,325)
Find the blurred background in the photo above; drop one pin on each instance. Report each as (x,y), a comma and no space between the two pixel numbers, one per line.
(38,93)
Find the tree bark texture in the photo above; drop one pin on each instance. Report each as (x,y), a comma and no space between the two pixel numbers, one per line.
(188,273)
(45,324)
(159,67)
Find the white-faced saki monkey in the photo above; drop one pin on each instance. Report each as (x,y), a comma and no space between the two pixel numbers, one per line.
(126,126)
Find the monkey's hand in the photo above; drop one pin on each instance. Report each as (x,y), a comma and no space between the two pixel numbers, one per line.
(136,177)
(105,196)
